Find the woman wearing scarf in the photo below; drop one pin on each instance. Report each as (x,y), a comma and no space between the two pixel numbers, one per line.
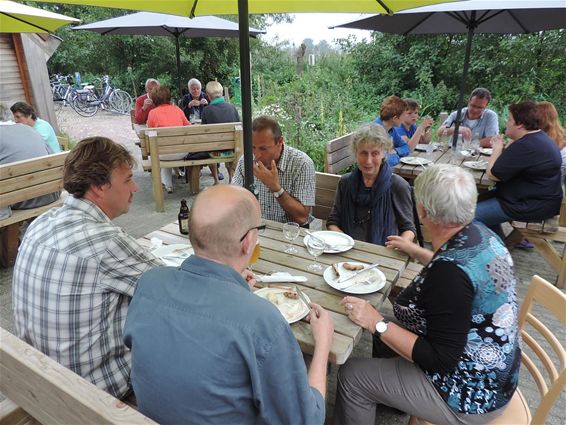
(371,202)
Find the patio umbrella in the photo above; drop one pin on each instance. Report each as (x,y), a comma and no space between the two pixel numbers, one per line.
(16,17)
(243,8)
(149,23)
(469,17)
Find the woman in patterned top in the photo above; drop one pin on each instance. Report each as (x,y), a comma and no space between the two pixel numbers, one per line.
(455,338)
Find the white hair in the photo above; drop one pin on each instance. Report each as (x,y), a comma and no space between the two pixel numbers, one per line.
(448,194)
(214,89)
(194,82)
(151,81)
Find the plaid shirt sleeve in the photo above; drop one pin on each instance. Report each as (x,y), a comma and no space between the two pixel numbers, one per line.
(238,178)
(302,187)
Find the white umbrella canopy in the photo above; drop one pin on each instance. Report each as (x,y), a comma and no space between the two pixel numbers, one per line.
(16,18)
(471,16)
(161,24)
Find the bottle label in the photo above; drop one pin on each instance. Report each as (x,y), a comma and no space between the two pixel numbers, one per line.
(184,225)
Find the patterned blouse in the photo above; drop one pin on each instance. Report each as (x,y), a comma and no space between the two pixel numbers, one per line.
(463,306)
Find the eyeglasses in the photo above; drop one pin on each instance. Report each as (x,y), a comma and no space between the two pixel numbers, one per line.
(259,228)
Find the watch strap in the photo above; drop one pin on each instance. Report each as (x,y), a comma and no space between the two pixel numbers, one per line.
(278,193)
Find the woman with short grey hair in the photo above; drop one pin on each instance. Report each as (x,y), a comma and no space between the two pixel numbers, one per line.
(371,202)
(452,353)
(194,102)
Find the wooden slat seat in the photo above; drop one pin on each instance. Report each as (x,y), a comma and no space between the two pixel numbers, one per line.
(325,192)
(52,394)
(189,139)
(22,181)
(338,154)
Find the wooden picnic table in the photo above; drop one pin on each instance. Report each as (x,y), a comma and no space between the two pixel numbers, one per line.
(410,172)
(272,258)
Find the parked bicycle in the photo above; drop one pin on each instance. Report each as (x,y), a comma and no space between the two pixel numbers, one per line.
(89,99)
(64,91)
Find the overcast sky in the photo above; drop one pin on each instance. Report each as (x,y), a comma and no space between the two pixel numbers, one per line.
(315,26)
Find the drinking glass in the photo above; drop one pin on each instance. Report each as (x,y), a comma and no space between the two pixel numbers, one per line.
(291,232)
(444,141)
(255,255)
(315,247)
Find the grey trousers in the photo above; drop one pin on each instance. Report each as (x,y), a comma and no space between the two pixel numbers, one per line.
(395,382)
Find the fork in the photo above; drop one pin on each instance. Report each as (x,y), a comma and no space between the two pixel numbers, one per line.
(363,282)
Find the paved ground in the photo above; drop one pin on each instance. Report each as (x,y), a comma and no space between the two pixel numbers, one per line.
(143,219)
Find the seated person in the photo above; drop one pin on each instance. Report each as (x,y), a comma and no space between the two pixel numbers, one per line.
(408,129)
(526,172)
(477,121)
(19,142)
(205,349)
(371,202)
(218,110)
(144,104)
(550,124)
(193,104)
(25,114)
(452,356)
(76,271)
(284,176)
(164,114)
(390,117)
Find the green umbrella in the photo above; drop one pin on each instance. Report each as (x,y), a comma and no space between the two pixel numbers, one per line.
(242,8)
(16,18)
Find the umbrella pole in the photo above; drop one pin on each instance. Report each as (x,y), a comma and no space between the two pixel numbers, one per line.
(178,52)
(471,28)
(246,90)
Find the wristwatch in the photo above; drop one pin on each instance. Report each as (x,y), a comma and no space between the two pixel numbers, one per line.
(381,327)
(278,193)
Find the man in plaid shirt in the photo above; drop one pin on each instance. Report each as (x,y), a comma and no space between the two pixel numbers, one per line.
(76,271)
(284,176)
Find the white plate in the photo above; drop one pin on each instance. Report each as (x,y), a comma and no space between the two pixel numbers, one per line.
(415,160)
(486,151)
(476,165)
(466,153)
(423,147)
(292,310)
(375,276)
(176,253)
(335,241)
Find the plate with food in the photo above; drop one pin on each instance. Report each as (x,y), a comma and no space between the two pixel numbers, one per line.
(287,301)
(174,254)
(334,242)
(424,147)
(476,165)
(486,151)
(361,282)
(415,160)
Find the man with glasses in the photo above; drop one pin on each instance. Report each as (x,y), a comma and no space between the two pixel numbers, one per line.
(205,349)
(477,121)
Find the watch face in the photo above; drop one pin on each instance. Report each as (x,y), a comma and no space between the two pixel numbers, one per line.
(381,326)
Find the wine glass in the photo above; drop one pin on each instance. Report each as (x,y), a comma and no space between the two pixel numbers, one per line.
(443,141)
(291,232)
(315,247)
(255,256)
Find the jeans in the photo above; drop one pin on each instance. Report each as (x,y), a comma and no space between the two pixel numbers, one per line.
(490,213)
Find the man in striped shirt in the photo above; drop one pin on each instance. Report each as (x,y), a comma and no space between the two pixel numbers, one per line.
(76,271)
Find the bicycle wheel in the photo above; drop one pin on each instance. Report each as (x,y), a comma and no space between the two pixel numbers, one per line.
(85,105)
(120,101)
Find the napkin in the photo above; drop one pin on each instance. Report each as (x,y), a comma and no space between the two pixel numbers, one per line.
(280,277)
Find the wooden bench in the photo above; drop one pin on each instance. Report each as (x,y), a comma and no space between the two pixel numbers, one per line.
(325,193)
(339,155)
(22,181)
(189,139)
(41,391)
(543,234)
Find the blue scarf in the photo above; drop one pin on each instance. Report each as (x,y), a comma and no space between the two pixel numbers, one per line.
(378,200)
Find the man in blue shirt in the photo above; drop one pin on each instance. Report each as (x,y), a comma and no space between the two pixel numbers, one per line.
(389,118)
(205,349)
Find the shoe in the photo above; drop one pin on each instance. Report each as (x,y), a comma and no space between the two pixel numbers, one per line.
(525,244)
(169,189)
(220,176)
(181,173)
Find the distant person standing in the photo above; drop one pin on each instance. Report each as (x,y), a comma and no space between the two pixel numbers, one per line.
(25,114)
(193,104)
(144,104)
(218,111)
(477,121)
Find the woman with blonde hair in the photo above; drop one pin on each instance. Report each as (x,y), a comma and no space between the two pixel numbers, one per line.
(550,124)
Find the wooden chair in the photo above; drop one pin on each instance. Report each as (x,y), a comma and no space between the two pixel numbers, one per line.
(542,235)
(518,412)
(41,391)
(325,192)
(338,154)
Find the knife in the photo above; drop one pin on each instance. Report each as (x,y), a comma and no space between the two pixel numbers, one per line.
(302,297)
(344,279)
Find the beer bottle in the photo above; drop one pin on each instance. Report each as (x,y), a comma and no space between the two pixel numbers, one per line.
(183,218)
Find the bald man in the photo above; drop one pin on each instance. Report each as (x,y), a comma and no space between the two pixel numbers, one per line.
(205,349)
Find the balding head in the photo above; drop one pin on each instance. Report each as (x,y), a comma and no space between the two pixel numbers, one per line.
(220,216)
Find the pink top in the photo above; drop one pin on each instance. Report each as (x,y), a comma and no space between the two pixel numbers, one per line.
(166,116)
